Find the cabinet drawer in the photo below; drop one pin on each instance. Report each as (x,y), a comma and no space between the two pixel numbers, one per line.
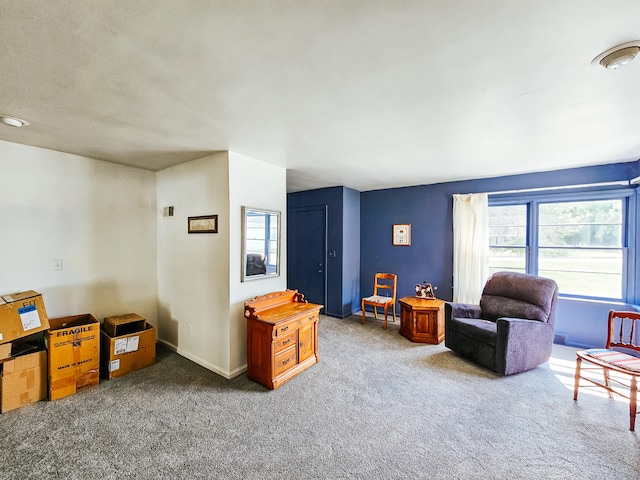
(285,360)
(295,324)
(311,317)
(287,329)
(286,341)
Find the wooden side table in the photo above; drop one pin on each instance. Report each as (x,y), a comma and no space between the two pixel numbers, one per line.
(422,319)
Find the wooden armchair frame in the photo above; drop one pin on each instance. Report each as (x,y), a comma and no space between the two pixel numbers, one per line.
(626,366)
(382,281)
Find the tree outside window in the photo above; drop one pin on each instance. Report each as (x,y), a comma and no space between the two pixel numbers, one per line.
(580,244)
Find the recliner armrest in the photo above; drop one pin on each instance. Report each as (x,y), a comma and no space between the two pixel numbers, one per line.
(457,310)
(510,327)
(522,344)
(461,310)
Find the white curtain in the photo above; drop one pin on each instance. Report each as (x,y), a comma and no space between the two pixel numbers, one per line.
(470,246)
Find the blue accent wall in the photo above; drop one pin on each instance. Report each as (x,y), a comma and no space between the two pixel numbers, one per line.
(429,257)
(428,208)
(350,252)
(343,244)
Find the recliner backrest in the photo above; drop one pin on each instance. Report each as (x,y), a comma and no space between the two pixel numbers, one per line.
(519,295)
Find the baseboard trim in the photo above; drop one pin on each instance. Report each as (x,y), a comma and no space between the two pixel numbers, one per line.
(340,315)
(204,363)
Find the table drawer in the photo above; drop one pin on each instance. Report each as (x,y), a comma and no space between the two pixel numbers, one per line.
(286,359)
(293,325)
(286,341)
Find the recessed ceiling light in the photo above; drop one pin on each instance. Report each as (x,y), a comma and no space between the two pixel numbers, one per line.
(13,121)
(618,56)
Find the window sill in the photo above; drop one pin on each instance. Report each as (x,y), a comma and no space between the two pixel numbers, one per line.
(613,303)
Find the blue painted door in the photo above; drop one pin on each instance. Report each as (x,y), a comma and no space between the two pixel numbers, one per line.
(307,252)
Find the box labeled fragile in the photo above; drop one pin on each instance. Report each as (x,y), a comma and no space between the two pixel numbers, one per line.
(127,353)
(74,354)
(22,314)
(23,380)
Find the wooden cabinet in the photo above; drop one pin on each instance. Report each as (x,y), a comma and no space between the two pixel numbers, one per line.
(422,319)
(282,337)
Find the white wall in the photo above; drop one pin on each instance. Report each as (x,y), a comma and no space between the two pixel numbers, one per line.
(193,269)
(98,217)
(252,183)
(200,295)
(120,255)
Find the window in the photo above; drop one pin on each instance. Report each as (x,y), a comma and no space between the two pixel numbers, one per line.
(508,238)
(262,235)
(580,247)
(579,241)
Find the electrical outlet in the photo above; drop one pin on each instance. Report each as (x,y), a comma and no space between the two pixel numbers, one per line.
(57,264)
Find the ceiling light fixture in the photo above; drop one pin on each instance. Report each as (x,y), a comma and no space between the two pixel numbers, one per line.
(618,56)
(13,121)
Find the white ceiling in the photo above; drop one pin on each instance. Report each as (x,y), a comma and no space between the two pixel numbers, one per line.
(363,93)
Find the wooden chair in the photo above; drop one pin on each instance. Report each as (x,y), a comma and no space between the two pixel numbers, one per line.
(621,355)
(382,281)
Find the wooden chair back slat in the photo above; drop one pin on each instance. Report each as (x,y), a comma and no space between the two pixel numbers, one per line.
(379,283)
(627,322)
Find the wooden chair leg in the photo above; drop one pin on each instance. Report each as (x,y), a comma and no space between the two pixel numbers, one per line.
(362,303)
(577,378)
(633,403)
(607,381)
(385,316)
(375,311)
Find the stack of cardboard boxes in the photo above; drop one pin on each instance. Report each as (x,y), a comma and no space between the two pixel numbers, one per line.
(128,344)
(23,360)
(58,357)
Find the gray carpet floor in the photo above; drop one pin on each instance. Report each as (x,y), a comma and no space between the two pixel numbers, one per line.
(376,407)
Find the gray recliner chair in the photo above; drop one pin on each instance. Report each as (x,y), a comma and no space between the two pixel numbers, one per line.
(512,329)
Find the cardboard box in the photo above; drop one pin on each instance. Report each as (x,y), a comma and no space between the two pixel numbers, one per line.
(127,353)
(22,346)
(5,351)
(23,380)
(74,354)
(22,314)
(124,324)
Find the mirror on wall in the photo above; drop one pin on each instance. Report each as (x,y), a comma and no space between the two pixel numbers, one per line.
(260,243)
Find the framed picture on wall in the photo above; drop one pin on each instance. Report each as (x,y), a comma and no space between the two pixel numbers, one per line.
(402,234)
(203,224)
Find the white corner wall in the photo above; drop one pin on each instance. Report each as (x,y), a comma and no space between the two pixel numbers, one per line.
(200,295)
(119,255)
(97,217)
(252,183)
(193,269)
